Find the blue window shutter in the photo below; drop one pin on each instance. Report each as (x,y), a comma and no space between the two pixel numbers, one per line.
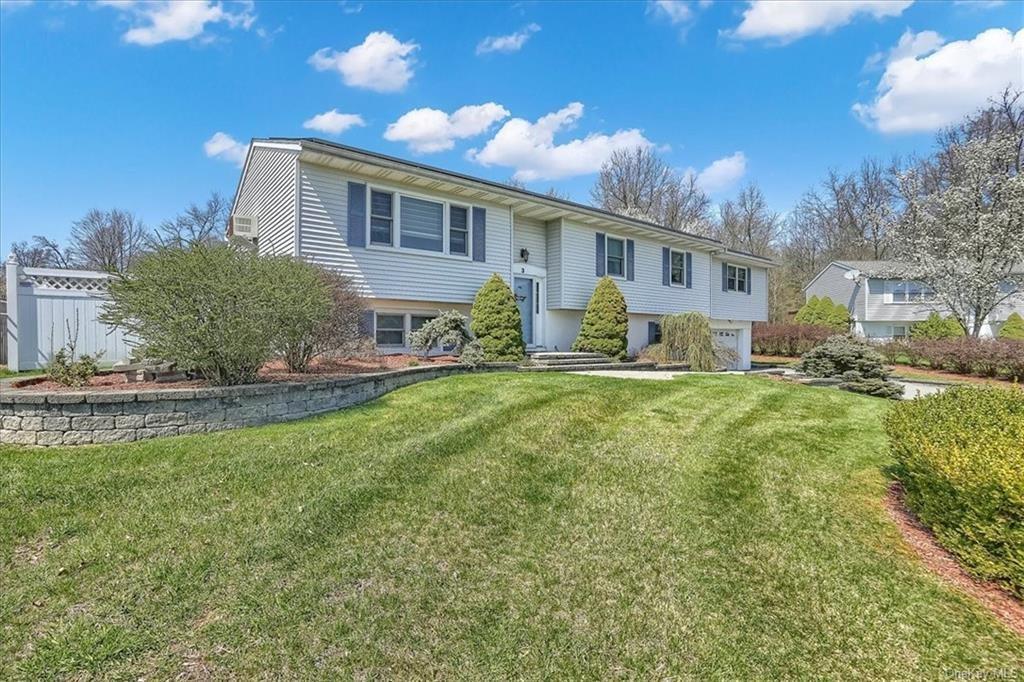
(689,270)
(630,255)
(750,281)
(356,214)
(599,265)
(652,332)
(479,234)
(366,323)
(725,277)
(666,258)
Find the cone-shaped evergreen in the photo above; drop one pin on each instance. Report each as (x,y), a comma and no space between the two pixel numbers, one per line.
(496,322)
(1013,328)
(605,323)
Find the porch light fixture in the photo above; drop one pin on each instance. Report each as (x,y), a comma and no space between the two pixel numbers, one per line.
(525,255)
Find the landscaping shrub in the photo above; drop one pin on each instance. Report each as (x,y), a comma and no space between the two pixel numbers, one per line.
(605,323)
(987,357)
(1013,328)
(893,350)
(791,340)
(960,460)
(687,337)
(936,327)
(496,322)
(299,305)
(222,312)
(858,364)
(67,371)
(840,355)
(824,312)
(654,352)
(447,330)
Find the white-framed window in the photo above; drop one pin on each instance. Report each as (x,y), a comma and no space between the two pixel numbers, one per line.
(678,268)
(382,217)
(910,292)
(390,329)
(458,230)
(615,256)
(402,220)
(736,278)
(899,331)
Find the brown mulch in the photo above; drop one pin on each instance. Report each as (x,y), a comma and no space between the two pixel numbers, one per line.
(272,372)
(1005,606)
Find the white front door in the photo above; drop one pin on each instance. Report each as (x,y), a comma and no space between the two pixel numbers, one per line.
(729,339)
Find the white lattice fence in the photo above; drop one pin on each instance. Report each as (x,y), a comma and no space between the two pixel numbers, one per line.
(48,308)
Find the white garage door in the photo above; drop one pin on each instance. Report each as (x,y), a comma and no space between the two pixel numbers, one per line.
(729,338)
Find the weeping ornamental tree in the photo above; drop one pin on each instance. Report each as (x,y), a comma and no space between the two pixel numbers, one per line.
(962,230)
(687,337)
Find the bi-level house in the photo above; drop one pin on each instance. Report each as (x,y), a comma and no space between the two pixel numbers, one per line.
(884,305)
(418,239)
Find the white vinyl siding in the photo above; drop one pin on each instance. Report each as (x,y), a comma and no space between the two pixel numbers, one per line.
(532,236)
(393,273)
(645,294)
(736,305)
(832,283)
(268,193)
(879,306)
(553,247)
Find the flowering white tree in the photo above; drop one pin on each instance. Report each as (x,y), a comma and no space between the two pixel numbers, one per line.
(963,233)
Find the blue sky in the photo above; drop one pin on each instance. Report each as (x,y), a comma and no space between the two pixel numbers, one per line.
(147,106)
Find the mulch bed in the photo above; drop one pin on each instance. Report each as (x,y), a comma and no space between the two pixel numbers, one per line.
(1005,606)
(272,372)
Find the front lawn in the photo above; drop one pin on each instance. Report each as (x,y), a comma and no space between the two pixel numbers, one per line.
(482,526)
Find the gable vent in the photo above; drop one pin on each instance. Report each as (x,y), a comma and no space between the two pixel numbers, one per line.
(244,226)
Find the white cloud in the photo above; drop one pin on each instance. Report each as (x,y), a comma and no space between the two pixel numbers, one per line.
(675,11)
(161,22)
(432,130)
(11,5)
(924,91)
(351,7)
(530,147)
(723,173)
(510,43)
(381,63)
(226,148)
(333,122)
(787,20)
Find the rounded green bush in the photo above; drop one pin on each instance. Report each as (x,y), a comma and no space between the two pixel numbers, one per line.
(960,457)
(1013,328)
(823,312)
(605,323)
(496,323)
(936,327)
(840,356)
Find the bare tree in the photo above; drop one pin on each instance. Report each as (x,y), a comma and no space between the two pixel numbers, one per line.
(199,224)
(556,193)
(638,183)
(41,253)
(747,223)
(108,240)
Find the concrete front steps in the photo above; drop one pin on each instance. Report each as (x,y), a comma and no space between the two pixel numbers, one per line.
(550,361)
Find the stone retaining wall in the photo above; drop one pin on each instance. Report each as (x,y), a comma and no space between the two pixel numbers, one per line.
(30,417)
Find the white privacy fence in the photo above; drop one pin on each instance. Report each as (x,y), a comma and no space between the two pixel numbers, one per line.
(47,308)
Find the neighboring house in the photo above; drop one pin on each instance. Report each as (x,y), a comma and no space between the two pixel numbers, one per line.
(884,306)
(418,239)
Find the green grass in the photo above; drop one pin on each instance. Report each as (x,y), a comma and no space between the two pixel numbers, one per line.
(6,373)
(486,526)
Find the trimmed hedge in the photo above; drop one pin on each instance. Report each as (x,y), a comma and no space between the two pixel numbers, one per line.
(960,458)
(791,340)
(496,323)
(605,323)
